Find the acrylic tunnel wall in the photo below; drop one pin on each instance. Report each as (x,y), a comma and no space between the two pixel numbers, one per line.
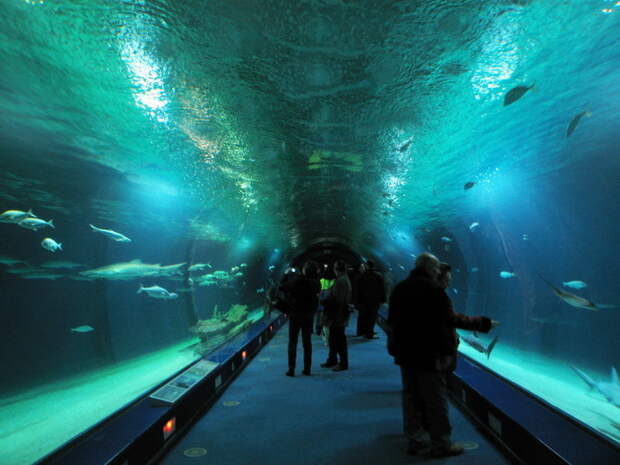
(188,152)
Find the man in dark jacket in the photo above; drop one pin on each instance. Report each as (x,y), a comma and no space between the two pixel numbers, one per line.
(302,294)
(370,295)
(423,325)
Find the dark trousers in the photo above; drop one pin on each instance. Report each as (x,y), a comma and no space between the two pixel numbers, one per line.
(338,346)
(367,319)
(425,405)
(305,325)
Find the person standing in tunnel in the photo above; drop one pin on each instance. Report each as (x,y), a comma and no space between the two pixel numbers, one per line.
(336,318)
(370,296)
(423,324)
(302,295)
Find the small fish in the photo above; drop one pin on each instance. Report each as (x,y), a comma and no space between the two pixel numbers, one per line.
(446,239)
(474,226)
(506,274)
(15,216)
(515,94)
(474,269)
(468,185)
(406,145)
(234,269)
(401,267)
(157,292)
(525,237)
(271,267)
(238,275)
(575,121)
(82,329)
(456,291)
(574,284)
(118,237)
(50,244)
(243,265)
(260,290)
(35,223)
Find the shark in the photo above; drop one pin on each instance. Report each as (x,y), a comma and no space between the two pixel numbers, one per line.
(479,346)
(131,270)
(575,300)
(609,390)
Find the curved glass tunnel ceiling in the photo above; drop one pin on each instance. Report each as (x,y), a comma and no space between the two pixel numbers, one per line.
(233,136)
(306,119)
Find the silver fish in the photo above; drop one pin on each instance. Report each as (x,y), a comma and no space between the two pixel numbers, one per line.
(572,299)
(115,236)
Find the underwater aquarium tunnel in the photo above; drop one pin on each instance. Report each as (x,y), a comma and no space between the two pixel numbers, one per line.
(164,164)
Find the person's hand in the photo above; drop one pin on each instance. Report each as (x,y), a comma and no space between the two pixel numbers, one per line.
(494,323)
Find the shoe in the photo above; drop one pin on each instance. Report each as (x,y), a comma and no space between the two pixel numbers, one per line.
(306,372)
(415,446)
(447,451)
(328,365)
(339,368)
(290,373)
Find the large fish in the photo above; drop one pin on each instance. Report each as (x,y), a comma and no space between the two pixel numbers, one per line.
(572,299)
(575,121)
(515,94)
(479,346)
(157,292)
(15,216)
(35,223)
(115,236)
(611,390)
(131,270)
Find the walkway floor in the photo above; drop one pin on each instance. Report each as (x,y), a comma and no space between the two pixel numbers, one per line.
(329,418)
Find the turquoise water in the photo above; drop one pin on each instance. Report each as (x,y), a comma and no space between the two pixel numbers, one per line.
(224,133)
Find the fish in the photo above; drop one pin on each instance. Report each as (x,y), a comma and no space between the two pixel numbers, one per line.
(8,261)
(406,145)
(238,275)
(260,290)
(15,216)
(234,269)
(243,265)
(133,269)
(525,237)
(198,267)
(446,239)
(572,299)
(575,121)
(50,244)
(474,269)
(456,291)
(474,226)
(271,267)
(469,185)
(36,223)
(157,292)
(402,267)
(515,94)
(115,236)
(82,329)
(59,264)
(220,274)
(609,390)
(574,284)
(506,274)
(479,346)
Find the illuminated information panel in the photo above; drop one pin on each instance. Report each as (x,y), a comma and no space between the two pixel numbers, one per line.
(179,385)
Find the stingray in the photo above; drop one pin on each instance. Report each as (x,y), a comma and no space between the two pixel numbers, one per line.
(575,121)
(515,94)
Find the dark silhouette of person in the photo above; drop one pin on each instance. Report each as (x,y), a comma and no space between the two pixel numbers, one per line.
(423,322)
(302,295)
(370,296)
(336,317)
